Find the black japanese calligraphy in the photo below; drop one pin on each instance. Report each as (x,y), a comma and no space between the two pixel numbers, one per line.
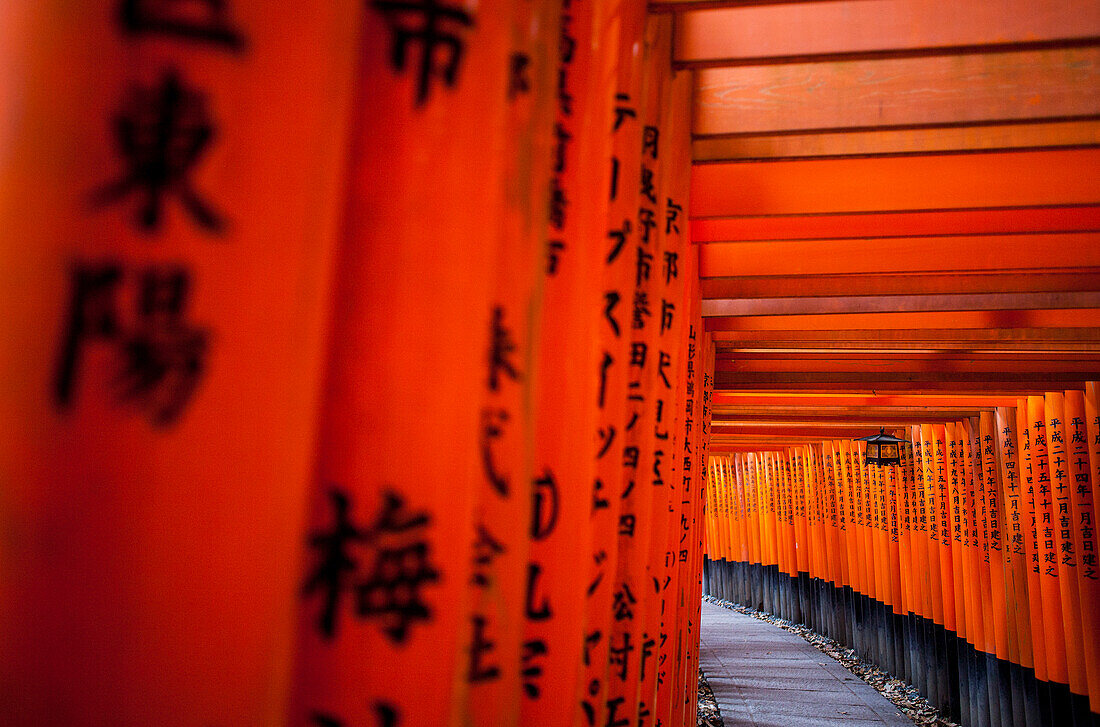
(425,22)
(160,357)
(390,592)
(201,21)
(162,134)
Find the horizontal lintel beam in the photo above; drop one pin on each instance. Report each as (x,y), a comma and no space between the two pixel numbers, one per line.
(902,367)
(899,283)
(1028,134)
(1079,317)
(897,183)
(879,225)
(865,26)
(1032,84)
(883,398)
(898,303)
(991,337)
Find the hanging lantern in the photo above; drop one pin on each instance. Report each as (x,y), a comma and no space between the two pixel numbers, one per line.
(882,448)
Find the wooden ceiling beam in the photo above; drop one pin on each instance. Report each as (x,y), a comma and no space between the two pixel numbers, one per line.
(679,6)
(733,448)
(1080,317)
(840,431)
(906,356)
(777,440)
(1001,319)
(853,26)
(898,224)
(856,422)
(1034,84)
(962,381)
(900,366)
(884,54)
(958,352)
(1032,135)
(946,255)
(891,184)
(836,413)
(899,284)
(775,306)
(991,337)
(913,398)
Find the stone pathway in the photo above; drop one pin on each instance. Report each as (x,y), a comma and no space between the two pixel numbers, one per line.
(763,676)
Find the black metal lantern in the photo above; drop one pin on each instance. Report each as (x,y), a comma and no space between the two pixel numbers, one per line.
(882,448)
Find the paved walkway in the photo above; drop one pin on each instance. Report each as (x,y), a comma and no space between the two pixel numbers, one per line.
(763,676)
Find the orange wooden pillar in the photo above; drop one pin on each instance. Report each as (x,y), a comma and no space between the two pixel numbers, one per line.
(978,584)
(1085,497)
(1016,526)
(870,551)
(993,525)
(674,296)
(945,557)
(817,517)
(919,573)
(803,544)
(1054,639)
(853,541)
(502,520)
(789,572)
(385,589)
(846,625)
(895,534)
(627,631)
(960,562)
(745,551)
(618,67)
(1032,557)
(567,370)
(941,593)
(166,245)
(858,561)
(689,687)
(775,522)
(1063,535)
(756,505)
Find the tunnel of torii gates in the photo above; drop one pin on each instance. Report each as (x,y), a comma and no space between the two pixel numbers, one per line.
(402,362)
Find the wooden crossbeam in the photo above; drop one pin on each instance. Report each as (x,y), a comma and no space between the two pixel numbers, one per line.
(903,356)
(882,54)
(938,90)
(890,184)
(1083,317)
(900,366)
(678,6)
(1030,135)
(848,400)
(840,430)
(909,414)
(854,421)
(961,381)
(1081,338)
(884,225)
(727,448)
(898,303)
(949,255)
(899,284)
(751,33)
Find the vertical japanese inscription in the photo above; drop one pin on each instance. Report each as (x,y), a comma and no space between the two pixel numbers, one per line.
(437,28)
(388,591)
(162,132)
